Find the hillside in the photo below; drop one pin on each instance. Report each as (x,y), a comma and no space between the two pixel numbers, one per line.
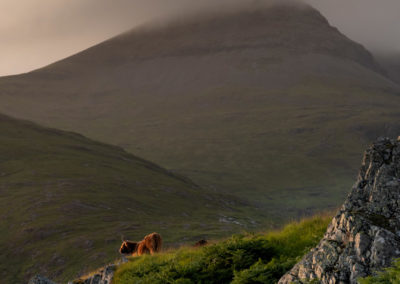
(257,258)
(359,244)
(391,63)
(66,201)
(269,103)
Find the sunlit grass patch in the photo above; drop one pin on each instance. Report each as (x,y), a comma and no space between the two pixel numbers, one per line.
(246,258)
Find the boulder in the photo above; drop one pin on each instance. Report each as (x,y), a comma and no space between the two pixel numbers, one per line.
(103,276)
(364,236)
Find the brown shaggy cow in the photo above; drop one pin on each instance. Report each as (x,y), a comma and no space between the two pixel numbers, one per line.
(149,245)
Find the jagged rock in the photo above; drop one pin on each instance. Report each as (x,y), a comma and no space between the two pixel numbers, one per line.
(38,279)
(103,276)
(364,236)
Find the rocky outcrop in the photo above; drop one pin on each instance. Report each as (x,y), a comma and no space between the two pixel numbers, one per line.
(365,235)
(103,276)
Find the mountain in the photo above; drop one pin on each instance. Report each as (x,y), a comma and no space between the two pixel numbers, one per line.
(363,237)
(66,201)
(269,103)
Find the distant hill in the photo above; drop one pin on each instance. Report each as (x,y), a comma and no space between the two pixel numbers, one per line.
(66,201)
(270,103)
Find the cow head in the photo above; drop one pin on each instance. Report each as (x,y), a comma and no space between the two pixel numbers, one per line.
(128,247)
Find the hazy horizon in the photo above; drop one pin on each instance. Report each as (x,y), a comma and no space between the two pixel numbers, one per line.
(36,33)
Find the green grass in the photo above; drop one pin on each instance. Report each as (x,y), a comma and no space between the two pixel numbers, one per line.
(65,202)
(247,258)
(390,275)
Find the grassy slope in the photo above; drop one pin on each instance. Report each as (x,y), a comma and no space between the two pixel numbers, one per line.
(260,258)
(265,105)
(65,201)
(389,275)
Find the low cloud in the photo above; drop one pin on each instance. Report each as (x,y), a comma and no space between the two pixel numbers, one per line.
(37,32)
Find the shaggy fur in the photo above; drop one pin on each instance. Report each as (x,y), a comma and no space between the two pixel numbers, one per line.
(128,247)
(149,245)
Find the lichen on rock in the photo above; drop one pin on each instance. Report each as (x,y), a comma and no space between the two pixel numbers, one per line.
(364,236)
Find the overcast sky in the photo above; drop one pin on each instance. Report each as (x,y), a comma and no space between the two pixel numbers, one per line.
(34,33)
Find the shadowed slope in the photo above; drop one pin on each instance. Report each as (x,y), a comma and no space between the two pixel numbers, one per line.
(65,201)
(258,102)
(391,63)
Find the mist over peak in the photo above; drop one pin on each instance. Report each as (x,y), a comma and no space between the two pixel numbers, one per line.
(288,25)
(37,32)
(273,10)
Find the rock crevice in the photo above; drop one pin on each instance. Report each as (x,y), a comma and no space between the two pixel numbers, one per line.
(364,236)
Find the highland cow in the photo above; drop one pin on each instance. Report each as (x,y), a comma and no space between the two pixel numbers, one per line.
(149,245)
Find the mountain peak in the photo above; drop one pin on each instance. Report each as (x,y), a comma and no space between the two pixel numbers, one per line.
(289,26)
